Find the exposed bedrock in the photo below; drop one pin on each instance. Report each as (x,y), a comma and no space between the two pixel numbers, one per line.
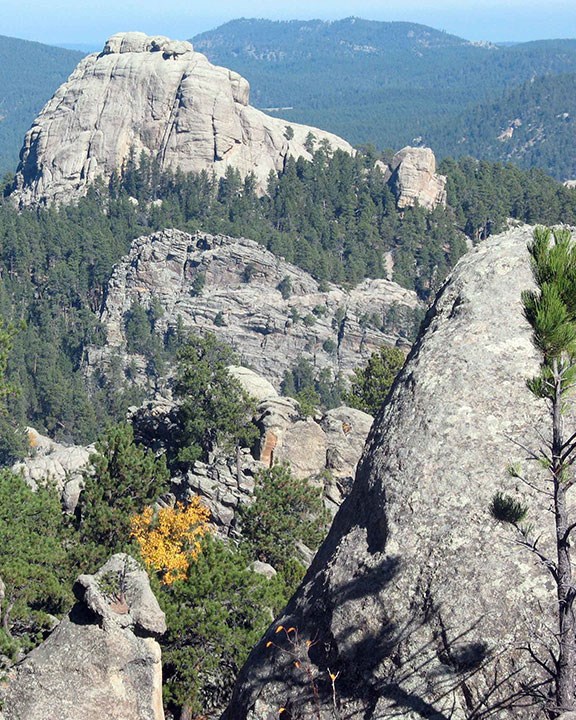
(418,603)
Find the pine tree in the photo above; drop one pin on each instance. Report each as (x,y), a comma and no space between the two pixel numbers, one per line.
(551,312)
(122,479)
(215,411)
(286,510)
(370,385)
(32,559)
(214,616)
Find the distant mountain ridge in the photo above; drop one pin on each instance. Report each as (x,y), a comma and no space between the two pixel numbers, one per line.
(29,74)
(385,83)
(390,84)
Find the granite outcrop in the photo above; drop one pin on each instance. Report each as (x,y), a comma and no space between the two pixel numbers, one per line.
(325,448)
(414,179)
(102,661)
(271,312)
(56,463)
(158,97)
(419,604)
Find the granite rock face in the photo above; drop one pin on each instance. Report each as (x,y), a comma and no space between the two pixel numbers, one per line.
(414,179)
(155,96)
(102,661)
(419,603)
(240,301)
(52,462)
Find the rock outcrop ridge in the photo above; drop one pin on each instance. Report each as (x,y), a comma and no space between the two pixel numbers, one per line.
(155,96)
(418,603)
(241,302)
(326,448)
(102,660)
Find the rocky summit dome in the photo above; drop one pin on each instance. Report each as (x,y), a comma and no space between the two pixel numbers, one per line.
(152,95)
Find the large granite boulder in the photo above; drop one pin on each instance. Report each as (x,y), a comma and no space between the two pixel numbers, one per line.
(102,661)
(255,385)
(415,180)
(419,604)
(240,301)
(346,430)
(151,95)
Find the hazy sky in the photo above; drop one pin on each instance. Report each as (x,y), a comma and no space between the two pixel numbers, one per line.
(86,21)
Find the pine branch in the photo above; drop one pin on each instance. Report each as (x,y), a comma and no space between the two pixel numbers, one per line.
(549,564)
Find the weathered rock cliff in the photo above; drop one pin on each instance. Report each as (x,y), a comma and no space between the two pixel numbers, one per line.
(240,301)
(154,96)
(418,603)
(327,448)
(102,661)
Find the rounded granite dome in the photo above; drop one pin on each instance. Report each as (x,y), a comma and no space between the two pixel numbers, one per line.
(138,42)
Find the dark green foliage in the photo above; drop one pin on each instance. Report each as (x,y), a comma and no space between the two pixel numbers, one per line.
(335,217)
(551,313)
(285,510)
(388,90)
(57,263)
(285,287)
(312,388)
(484,195)
(551,309)
(32,561)
(370,385)
(122,479)
(137,329)
(12,437)
(214,408)
(198,284)
(506,509)
(24,89)
(539,116)
(214,618)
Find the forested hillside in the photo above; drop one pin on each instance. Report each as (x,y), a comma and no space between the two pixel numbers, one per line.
(335,217)
(531,125)
(396,81)
(220,488)
(398,84)
(29,75)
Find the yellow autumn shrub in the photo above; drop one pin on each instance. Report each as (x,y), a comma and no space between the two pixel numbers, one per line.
(170,538)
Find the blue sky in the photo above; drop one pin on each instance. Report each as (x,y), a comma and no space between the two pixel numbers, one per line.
(85,21)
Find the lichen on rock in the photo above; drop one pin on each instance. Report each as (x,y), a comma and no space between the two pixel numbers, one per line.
(419,602)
